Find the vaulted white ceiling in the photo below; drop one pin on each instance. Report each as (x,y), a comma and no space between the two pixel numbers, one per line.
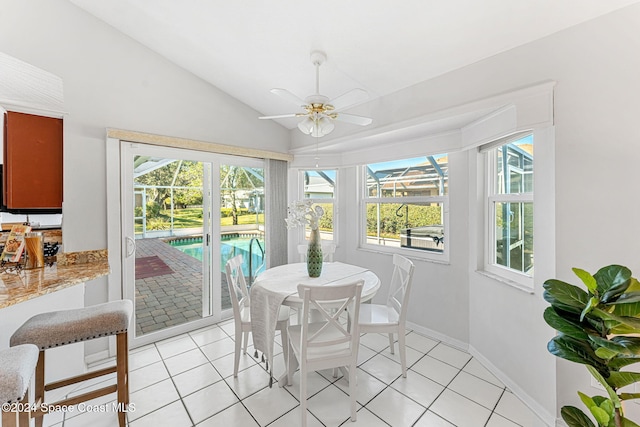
(248,47)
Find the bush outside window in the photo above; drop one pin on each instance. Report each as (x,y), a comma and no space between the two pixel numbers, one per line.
(406,204)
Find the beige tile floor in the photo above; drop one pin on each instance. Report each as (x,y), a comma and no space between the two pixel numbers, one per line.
(188,381)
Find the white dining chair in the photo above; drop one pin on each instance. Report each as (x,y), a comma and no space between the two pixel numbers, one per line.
(326,343)
(391,317)
(328,249)
(240,302)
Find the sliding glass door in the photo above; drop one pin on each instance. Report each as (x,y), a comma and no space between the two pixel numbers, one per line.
(166,215)
(184,214)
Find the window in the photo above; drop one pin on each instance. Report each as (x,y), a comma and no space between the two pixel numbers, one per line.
(510,210)
(319,186)
(405,205)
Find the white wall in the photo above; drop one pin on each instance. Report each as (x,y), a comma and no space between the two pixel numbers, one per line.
(594,202)
(110,81)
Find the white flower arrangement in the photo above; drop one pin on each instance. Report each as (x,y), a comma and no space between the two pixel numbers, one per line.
(301,213)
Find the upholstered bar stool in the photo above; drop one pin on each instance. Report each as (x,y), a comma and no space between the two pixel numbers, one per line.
(17,365)
(58,328)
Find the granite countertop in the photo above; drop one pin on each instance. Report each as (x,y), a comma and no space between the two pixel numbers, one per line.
(71,268)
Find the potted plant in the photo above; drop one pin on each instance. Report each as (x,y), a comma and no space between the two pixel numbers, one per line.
(598,327)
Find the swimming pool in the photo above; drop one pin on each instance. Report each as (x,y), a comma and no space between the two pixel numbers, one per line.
(228,249)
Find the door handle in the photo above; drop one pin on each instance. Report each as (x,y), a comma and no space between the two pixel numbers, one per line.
(130,246)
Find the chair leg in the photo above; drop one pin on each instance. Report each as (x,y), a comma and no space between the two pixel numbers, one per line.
(39,390)
(236,355)
(391,342)
(403,351)
(352,390)
(303,394)
(291,361)
(122,377)
(245,342)
(284,339)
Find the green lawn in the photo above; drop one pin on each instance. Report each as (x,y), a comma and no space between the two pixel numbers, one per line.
(190,218)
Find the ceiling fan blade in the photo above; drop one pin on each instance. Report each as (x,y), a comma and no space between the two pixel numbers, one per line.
(285,94)
(356,120)
(281,116)
(350,98)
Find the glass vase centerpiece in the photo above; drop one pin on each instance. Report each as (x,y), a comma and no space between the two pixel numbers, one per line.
(303,213)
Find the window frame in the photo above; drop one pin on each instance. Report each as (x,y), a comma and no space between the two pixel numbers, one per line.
(334,201)
(491,199)
(364,199)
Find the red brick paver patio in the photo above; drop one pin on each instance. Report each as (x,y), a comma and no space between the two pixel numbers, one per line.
(172,296)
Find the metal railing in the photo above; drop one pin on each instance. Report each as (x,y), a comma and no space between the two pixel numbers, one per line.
(251,258)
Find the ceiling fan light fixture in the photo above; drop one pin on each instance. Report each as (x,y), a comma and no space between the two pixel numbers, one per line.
(306,126)
(319,110)
(324,126)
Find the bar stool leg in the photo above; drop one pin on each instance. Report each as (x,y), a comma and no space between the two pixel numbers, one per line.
(25,416)
(9,419)
(126,363)
(18,418)
(122,376)
(39,390)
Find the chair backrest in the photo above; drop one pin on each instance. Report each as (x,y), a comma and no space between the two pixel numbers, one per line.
(328,249)
(400,286)
(237,285)
(329,337)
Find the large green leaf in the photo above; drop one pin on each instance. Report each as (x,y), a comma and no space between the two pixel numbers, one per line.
(620,362)
(634,286)
(588,280)
(613,320)
(631,309)
(605,353)
(629,396)
(628,423)
(630,343)
(601,416)
(612,281)
(593,303)
(619,379)
(599,399)
(615,400)
(566,325)
(626,346)
(565,296)
(587,400)
(577,351)
(603,413)
(607,406)
(626,298)
(574,417)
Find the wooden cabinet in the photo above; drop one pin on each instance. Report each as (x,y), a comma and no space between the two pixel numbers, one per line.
(32,172)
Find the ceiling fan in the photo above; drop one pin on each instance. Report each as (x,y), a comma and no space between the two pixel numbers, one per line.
(319,111)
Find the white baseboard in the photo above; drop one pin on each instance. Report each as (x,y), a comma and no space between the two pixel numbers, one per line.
(97,358)
(549,419)
(430,333)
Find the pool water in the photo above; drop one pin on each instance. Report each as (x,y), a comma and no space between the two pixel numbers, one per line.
(228,249)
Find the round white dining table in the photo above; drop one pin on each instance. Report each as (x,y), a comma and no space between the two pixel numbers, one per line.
(284,280)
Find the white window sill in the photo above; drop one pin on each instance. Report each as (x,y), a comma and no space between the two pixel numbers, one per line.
(520,286)
(411,254)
